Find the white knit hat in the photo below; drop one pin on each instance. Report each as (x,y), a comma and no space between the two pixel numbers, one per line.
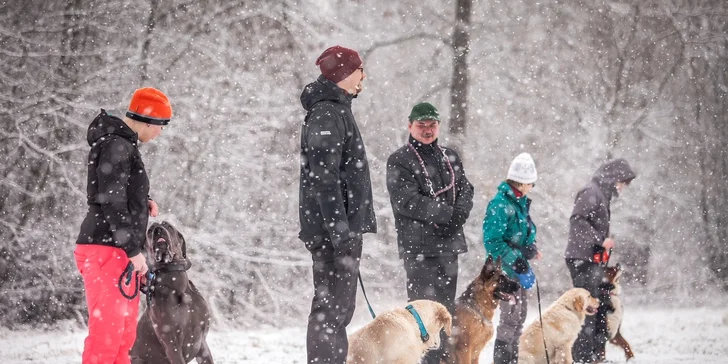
(522,169)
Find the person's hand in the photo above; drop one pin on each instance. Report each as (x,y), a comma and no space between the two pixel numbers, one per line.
(444,230)
(153,208)
(608,243)
(140,263)
(538,255)
(520,266)
(529,251)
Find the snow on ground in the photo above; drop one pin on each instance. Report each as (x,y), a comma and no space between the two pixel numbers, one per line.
(657,335)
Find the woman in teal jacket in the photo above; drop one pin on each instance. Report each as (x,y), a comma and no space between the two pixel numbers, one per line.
(509,233)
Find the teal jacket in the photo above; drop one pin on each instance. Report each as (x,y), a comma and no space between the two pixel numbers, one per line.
(508,226)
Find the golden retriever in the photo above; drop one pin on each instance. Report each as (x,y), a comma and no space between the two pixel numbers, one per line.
(394,336)
(563,321)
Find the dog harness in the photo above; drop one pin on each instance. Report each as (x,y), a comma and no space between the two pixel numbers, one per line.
(423,331)
(149,287)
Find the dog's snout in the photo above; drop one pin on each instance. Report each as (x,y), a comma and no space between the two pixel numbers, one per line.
(157,230)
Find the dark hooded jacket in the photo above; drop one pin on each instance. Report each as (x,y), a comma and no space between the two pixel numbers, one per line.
(416,213)
(117,189)
(589,223)
(335,197)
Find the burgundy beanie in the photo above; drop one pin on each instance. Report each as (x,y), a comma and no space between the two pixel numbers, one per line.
(337,63)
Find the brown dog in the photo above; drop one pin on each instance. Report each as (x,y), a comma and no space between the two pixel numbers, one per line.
(562,323)
(394,336)
(175,324)
(614,319)
(474,310)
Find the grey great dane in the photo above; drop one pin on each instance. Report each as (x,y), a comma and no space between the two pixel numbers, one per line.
(174,326)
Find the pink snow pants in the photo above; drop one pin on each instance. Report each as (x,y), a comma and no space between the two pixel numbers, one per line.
(112,318)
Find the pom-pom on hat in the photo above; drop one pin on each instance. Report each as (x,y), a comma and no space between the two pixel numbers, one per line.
(150,106)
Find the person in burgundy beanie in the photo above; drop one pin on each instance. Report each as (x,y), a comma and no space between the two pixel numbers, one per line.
(336,203)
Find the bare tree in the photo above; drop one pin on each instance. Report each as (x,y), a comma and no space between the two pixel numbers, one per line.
(460,84)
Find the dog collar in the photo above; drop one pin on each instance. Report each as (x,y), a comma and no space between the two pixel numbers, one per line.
(423,331)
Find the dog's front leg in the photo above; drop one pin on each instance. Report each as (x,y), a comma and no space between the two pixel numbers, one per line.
(174,353)
(171,343)
(204,356)
(563,355)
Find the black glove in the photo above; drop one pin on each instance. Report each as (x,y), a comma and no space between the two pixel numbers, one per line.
(445,230)
(520,266)
(346,247)
(459,216)
(529,251)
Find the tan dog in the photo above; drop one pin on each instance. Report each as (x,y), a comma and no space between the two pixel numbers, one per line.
(473,321)
(394,336)
(562,322)
(614,319)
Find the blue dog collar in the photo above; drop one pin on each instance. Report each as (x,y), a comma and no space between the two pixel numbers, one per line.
(423,331)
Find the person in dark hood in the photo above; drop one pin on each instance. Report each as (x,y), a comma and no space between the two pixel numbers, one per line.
(588,248)
(336,204)
(431,199)
(112,235)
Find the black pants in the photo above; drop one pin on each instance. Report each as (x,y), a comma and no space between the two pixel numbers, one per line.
(593,336)
(434,279)
(334,301)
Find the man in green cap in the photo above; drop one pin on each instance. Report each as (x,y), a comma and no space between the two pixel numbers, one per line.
(431,200)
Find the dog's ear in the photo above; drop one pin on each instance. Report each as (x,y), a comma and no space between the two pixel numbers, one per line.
(579,303)
(489,268)
(445,319)
(184,244)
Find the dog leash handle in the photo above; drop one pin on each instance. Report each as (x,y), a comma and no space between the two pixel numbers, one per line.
(126,276)
(543,329)
(361,283)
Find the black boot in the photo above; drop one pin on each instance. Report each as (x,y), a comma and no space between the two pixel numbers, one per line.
(501,353)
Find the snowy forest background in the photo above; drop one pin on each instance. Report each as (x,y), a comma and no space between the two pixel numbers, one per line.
(572,82)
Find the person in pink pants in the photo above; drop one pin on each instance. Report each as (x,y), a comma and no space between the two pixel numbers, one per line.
(112,236)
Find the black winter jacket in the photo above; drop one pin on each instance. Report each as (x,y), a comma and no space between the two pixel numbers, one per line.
(117,189)
(415,212)
(335,197)
(589,223)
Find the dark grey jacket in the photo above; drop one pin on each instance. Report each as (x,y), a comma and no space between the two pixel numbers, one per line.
(335,197)
(589,223)
(117,188)
(416,213)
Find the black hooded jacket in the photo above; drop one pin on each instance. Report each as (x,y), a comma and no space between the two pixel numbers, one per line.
(416,213)
(589,223)
(117,189)
(335,198)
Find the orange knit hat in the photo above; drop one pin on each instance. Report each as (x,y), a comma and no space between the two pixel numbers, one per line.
(150,106)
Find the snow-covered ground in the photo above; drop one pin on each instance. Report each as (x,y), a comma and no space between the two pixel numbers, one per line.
(657,335)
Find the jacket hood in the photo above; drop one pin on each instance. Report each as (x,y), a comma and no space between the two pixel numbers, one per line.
(105,124)
(323,90)
(611,172)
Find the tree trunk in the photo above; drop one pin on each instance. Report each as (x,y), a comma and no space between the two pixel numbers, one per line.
(459,86)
